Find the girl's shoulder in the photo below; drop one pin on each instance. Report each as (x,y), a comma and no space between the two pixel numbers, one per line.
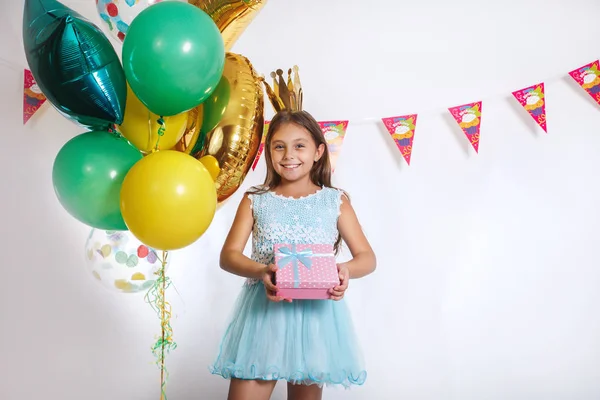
(332,198)
(257,190)
(255,193)
(337,193)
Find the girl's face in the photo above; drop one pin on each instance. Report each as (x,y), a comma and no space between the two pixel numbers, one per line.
(293,152)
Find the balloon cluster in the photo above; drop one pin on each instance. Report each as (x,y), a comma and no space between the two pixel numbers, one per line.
(171,131)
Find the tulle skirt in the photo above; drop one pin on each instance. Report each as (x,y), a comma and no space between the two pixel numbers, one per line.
(303,342)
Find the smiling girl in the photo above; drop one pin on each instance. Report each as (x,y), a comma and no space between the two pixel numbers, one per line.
(308,343)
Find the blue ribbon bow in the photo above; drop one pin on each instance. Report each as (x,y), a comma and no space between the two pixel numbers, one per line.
(291,255)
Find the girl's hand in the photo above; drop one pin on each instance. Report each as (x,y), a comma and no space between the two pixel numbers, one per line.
(270,287)
(337,293)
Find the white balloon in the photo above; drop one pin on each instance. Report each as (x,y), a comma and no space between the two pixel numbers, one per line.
(118,14)
(121,262)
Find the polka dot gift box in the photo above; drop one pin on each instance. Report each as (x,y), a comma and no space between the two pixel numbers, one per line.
(305,271)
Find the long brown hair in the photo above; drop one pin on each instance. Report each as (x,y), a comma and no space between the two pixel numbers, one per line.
(320,173)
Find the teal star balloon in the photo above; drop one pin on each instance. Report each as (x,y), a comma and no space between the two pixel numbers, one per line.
(74,64)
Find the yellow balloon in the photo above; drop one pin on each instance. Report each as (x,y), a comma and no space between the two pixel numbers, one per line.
(168,200)
(140,126)
(212,165)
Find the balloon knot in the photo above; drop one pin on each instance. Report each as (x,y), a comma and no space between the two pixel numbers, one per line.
(161,129)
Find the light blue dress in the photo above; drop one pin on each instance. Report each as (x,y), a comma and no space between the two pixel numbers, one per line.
(303,342)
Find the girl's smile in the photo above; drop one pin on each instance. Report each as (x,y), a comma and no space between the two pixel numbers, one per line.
(293,152)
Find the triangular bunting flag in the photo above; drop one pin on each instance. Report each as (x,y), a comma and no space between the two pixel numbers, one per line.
(588,77)
(532,99)
(262,145)
(468,117)
(33,98)
(334,132)
(402,130)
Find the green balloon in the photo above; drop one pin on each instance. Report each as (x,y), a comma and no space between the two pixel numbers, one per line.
(173,57)
(87,175)
(213,110)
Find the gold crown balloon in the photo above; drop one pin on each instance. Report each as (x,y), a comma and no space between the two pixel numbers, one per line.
(285,95)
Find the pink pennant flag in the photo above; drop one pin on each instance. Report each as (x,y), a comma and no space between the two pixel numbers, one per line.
(468,117)
(402,130)
(262,145)
(588,77)
(532,99)
(334,132)
(33,98)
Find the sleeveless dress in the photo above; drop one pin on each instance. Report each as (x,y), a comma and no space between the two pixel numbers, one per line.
(303,342)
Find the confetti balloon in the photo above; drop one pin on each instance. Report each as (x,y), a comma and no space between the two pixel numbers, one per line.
(118,14)
(120,262)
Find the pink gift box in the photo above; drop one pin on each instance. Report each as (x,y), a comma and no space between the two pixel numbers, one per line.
(305,271)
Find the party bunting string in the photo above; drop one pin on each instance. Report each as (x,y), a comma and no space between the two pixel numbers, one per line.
(497,96)
(10,64)
(165,344)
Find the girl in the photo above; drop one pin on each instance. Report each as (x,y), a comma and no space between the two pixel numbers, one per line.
(307,343)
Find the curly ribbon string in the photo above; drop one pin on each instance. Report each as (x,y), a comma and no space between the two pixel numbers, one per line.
(161,131)
(165,344)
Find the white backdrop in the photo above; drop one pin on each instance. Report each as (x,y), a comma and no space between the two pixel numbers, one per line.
(487,282)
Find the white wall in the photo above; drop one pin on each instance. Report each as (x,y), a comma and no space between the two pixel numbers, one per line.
(487,286)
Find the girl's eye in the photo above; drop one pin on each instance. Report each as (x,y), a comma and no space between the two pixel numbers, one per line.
(278,146)
(300,146)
